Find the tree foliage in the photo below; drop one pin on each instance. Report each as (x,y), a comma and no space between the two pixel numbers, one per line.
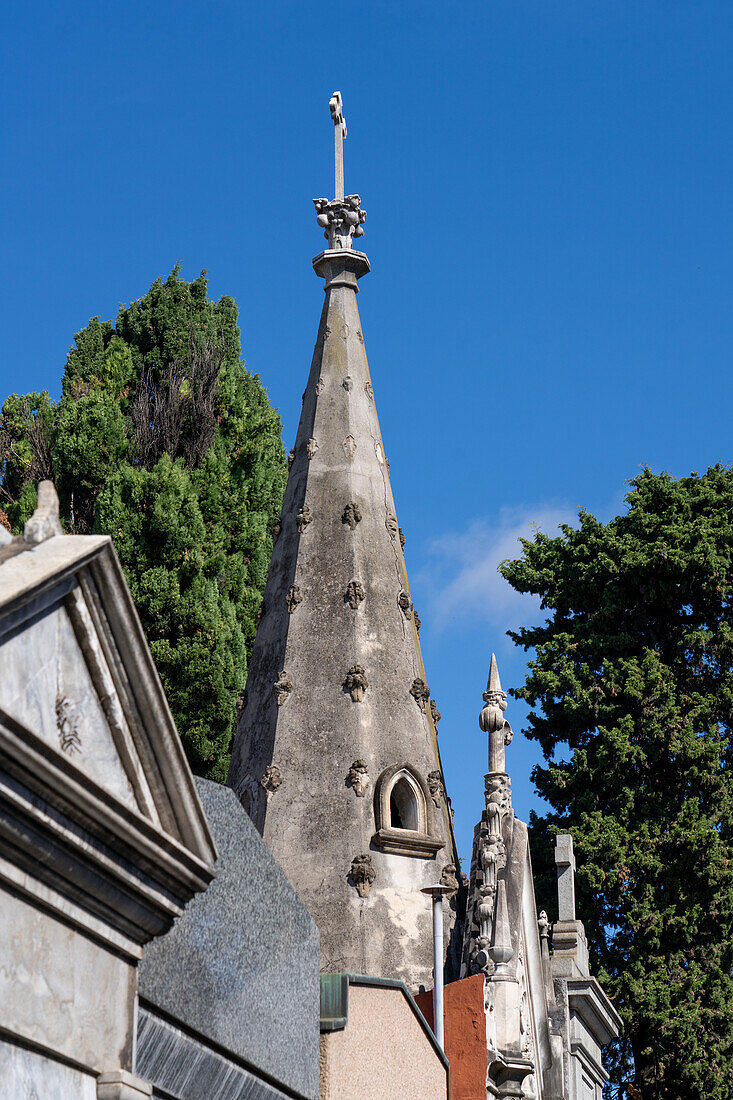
(163,440)
(631,685)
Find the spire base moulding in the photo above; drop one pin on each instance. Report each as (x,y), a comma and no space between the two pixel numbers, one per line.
(341,267)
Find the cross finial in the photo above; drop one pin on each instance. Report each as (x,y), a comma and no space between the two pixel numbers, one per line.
(337,114)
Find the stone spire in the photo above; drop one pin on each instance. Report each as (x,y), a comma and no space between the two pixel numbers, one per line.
(336,755)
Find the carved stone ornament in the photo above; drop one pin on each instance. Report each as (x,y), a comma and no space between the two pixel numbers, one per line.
(356,683)
(405,604)
(260,612)
(416,620)
(435,786)
(67,723)
(319,386)
(311,447)
(435,712)
(354,594)
(403,540)
(362,874)
(543,925)
(282,688)
(360,338)
(352,515)
(369,391)
(340,219)
(277,528)
(349,446)
(379,452)
(420,692)
(449,877)
(390,523)
(347,383)
(272,779)
(358,778)
(303,518)
(291,458)
(293,598)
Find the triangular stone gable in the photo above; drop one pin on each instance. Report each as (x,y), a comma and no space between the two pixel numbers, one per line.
(76,673)
(59,700)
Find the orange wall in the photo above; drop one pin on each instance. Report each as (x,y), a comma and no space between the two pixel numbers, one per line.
(465,1035)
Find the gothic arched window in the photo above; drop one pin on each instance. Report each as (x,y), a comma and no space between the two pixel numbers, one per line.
(403,811)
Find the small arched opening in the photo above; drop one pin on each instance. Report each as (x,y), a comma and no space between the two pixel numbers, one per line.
(404,807)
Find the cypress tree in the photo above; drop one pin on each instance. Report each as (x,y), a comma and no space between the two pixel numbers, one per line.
(165,441)
(631,685)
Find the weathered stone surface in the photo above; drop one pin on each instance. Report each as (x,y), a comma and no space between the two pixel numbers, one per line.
(121,1085)
(241,965)
(26,1075)
(68,994)
(317,826)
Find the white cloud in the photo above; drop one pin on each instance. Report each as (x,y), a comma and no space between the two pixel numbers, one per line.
(462,579)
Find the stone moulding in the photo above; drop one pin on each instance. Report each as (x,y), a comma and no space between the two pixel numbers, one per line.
(354,594)
(358,777)
(362,874)
(303,518)
(420,692)
(271,779)
(351,515)
(293,598)
(281,688)
(356,683)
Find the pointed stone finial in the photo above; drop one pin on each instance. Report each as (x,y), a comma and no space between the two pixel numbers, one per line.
(501,936)
(342,218)
(491,719)
(45,522)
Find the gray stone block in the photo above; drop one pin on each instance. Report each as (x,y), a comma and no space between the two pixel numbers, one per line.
(241,966)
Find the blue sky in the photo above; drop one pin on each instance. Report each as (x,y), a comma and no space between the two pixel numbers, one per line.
(548,188)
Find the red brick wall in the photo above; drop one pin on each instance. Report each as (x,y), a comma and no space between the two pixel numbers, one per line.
(465,1035)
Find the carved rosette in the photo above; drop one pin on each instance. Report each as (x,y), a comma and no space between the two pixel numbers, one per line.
(272,779)
(354,594)
(356,683)
(362,874)
(340,220)
(352,515)
(303,518)
(282,688)
(358,778)
(293,598)
(435,786)
(420,692)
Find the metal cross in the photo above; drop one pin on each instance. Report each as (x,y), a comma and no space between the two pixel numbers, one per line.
(337,114)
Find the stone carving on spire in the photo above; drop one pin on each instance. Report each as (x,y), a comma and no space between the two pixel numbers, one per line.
(491,720)
(342,218)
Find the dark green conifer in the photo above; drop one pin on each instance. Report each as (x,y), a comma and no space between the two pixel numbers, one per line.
(163,440)
(631,685)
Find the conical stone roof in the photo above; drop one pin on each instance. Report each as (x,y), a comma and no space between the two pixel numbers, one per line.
(336,755)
